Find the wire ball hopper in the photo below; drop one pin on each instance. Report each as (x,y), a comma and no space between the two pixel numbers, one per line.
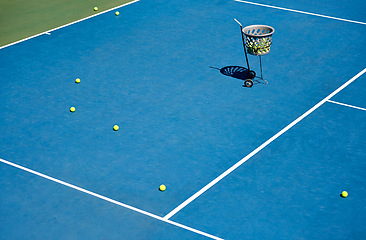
(257,41)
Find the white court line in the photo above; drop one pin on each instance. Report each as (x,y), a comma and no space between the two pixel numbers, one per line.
(303,12)
(54,29)
(109,200)
(347,105)
(238,164)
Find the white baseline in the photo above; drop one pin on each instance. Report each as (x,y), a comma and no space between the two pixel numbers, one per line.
(109,199)
(297,11)
(238,164)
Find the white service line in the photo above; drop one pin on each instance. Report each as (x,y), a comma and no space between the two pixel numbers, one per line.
(238,164)
(83,19)
(109,199)
(303,12)
(347,105)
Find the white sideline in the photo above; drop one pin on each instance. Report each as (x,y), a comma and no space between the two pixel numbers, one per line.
(238,164)
(48,32)
(303,12)
(347,105)
(109,200)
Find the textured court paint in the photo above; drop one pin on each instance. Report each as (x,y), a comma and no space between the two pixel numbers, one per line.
(246,158)
(78,216)
(108,199)
(302,12)
(182,123)
(292,188)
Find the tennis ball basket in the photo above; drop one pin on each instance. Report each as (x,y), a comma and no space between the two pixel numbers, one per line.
(257,40)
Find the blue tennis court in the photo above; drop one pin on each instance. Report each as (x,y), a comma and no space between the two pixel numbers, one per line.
(266,162)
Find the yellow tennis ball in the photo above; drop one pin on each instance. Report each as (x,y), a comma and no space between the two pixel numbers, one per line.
(72,109)
(77,80)
(115,127)
(162,188)
(95,8)
(117,13)
(344,194)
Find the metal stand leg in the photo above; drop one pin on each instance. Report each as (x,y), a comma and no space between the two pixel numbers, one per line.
(250,73)
(245,51)
(260,63)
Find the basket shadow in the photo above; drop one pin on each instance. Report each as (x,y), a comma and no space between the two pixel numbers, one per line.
(234,72)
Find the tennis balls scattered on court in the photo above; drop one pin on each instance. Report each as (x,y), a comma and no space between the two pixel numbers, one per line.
(115,127)
(117,13)
(72,109)
(77,80)
(344,194)
(95,8)
(162,187)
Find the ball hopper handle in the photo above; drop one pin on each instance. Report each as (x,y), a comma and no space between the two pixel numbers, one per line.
(242,37)
(238,22)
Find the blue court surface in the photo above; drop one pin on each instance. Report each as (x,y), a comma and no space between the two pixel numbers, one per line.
(267,162)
